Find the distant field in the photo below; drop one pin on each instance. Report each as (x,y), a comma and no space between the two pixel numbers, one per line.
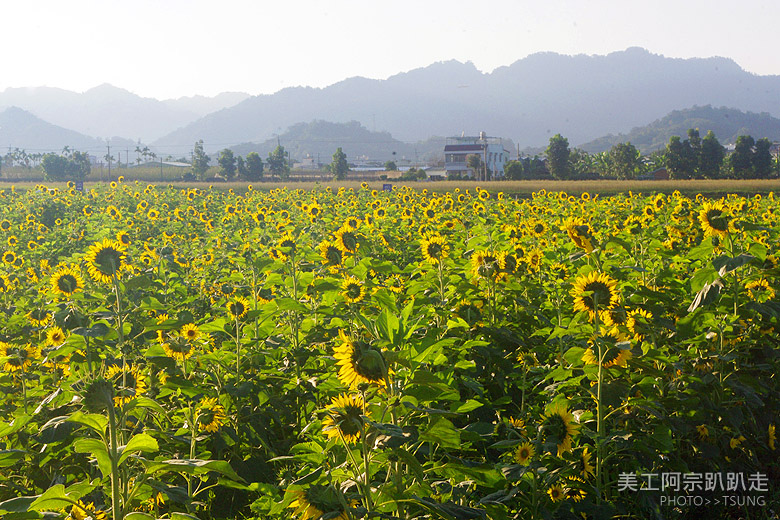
(711,187)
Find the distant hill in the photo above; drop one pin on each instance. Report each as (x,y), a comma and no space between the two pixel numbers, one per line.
(581,97)
(726,123)
(21,129)
(106,110)
(319,140)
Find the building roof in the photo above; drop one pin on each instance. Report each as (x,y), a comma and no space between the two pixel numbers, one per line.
(464,147)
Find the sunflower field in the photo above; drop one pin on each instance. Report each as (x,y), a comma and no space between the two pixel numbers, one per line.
(344,354)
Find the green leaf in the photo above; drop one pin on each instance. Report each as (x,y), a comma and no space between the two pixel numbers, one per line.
(10,457)
(18,504)
(144,402)
(183,516)
(138,516)
(14,426)
(97,449)
(53,499)
(95,421)
(468,406)
(442,432)
(142,442)
(482,474)
(726,264)
(193,467)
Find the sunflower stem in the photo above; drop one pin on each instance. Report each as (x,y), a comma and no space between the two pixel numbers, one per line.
(116,512)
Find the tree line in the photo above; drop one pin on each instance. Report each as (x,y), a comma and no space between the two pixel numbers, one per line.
(691,158)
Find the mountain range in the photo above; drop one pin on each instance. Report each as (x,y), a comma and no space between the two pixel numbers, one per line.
(581,97)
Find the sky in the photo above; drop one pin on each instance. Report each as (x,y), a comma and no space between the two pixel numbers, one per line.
(171,48)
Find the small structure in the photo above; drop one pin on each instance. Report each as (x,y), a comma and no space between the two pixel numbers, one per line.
(490,150)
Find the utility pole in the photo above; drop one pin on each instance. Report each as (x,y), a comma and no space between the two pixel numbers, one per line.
(108,158)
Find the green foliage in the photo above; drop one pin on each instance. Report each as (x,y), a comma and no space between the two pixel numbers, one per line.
(557,154)
(200,161)
(278,164)
(513,170)
(254,166)
(390,166)
(626,161)
(227,164)
(72,166)
(712,155)
(339,166)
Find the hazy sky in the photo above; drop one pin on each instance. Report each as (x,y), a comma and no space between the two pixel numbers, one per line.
(172,48)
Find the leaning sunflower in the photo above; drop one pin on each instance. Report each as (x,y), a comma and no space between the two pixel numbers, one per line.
(760,290)
(177,349)
(344,418)
(55,337)
(317,501)
(105,260)
(594,292)
(129,382)
(559,427)
(359,362)
(211,415)
(714,220)
(86,511)
(18,357)
(331,255)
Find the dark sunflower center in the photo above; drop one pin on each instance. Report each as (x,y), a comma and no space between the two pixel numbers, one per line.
(322,498)
(353,290)
(349,241)
(367,362)
(349,421)
(434,250)
(108,260)
(600,293)
(237,308)
(67,283)
(334,255)
(557,428)
(717,220)
(538,229)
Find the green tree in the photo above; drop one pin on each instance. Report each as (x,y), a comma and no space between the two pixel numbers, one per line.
(558,157)
(240,167)
(390,166)
(200,161)
(61,168)
(277,163)
(711,158)
(762,158)
(254,166)
(741,159)
(474,162)
(582,163)
(679,159)
(339,166)
(626,161)
(227,164)
(513,170)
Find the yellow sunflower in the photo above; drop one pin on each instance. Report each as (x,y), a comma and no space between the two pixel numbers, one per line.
(67,281)
(523,453)
(331,254)
(86,511)
(714,220)
(434,249)
(211,415)
(556,493)
(347,240)
(594,291)
(105,260)
(613,357)
(39,317)
(317,501)
(238,307)
(55,337)
(639,322)
(359,362)
(579,233)
(129,383)
(19,357)
(190,332)
(344,418)
(760,290)
(177,349)
(586,468)
(559,428)
(488,264)
(353,290)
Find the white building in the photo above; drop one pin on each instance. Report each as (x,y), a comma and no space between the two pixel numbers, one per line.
(489,149)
